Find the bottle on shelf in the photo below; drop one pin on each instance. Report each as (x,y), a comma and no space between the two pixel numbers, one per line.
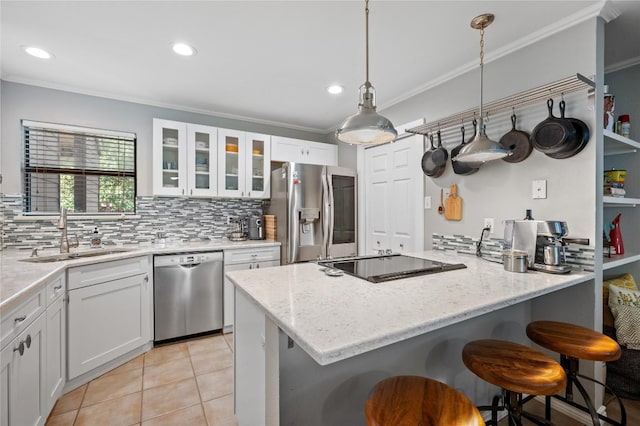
(528,215)
(625,125)
(615,235)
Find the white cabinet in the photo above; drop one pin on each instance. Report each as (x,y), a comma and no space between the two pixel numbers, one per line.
(301,151)
(56,349)
(244,164)
(621,153)
(109,312)
(184,159)
(22,371)
(234,260)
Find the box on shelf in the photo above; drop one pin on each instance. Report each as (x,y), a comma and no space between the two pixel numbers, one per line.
(614,178)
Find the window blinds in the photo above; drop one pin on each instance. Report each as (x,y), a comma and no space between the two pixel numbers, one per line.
(84,170)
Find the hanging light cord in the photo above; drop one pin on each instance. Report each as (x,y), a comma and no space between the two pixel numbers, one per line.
(367,84)
(481,66)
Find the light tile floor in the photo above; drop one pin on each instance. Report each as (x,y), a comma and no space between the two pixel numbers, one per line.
(187,383)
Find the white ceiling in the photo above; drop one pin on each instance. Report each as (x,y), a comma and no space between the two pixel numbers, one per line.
(271,61)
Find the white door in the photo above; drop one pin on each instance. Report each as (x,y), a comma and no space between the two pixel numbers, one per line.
(393,196)
(202,154)
(56,351)
(231,163)
(169,157)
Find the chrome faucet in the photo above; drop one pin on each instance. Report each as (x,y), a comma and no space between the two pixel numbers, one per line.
(64,241)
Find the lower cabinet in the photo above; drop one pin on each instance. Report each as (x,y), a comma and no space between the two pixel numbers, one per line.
(22,371)
(107,319)
(235,260)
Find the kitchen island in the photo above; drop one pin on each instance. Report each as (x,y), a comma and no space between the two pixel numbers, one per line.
(309,347)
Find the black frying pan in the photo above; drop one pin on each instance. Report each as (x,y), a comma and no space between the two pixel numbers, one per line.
(551,134)
(582,135)
(458,167)
(518,142)
(429,167)
(440,155)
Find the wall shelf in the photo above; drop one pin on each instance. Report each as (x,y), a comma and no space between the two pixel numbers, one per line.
(620,201)
(618,144)
(619,260)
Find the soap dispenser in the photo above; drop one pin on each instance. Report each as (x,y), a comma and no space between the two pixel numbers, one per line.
(96,239)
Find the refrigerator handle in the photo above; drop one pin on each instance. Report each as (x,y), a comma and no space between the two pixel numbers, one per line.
(327,217)
(294,220)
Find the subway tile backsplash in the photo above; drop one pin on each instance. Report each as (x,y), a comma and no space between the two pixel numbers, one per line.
(576,255)
(180,218)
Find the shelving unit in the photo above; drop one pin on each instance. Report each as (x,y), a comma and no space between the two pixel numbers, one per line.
(618,144)
(619,260)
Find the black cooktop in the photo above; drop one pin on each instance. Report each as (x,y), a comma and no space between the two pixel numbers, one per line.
(391,267)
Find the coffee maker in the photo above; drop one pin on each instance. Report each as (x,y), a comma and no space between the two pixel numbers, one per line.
(544,241)
(256,228)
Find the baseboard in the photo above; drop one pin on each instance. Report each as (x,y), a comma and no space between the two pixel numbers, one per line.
(571,411)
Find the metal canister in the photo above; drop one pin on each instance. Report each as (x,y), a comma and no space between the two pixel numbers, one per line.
(515,260)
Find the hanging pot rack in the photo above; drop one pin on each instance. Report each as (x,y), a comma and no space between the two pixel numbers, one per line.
(564,86)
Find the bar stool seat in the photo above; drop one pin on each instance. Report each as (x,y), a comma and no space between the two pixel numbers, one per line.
(573,343)
(517,369)
(414,400)
(574,340)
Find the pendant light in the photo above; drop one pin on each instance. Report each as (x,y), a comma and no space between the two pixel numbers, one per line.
(367,126)
(481,149)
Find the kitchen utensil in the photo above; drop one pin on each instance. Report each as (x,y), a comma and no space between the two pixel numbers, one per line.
(429,167)
(518,142)
(550,134)
(440,155)
(453,204)
(441,206)
(515,260)
(582,138)
(553,255)
(458,167)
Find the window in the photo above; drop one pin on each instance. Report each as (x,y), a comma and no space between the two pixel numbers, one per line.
(85,170)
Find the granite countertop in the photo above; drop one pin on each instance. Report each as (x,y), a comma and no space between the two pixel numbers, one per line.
(19,280)
(334,318)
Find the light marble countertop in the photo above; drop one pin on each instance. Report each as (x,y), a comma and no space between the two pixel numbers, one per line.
(19,280)
(334,318)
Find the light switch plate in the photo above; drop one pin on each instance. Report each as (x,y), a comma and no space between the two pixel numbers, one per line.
(539,189)
(427,203)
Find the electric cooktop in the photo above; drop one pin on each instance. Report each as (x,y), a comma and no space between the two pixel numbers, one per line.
(378,269)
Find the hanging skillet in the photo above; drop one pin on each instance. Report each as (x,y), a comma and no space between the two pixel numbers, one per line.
(517,141)
(440,155)
(429,167)
(458,167)
(550,135)
(579,142)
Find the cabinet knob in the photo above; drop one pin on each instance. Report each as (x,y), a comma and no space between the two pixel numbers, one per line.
(19,319)
(28,341)
(20,348)
(146,278)
(307,152)
(251,266)
(302,151)
(183,192)
(257,266)
(192,192)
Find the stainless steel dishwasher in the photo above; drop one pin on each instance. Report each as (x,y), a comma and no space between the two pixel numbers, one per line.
(187,294)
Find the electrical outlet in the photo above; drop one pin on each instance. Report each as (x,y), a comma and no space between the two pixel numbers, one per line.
(427,203)
(488,223)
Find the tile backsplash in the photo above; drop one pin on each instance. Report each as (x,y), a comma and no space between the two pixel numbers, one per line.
(181,218)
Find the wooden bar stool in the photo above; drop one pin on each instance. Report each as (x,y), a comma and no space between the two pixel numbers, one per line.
(517,369)
(574,342)
(413,400)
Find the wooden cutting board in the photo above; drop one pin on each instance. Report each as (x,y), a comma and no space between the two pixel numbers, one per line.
(453,204)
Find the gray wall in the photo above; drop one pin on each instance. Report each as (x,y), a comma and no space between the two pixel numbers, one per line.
(625,85)
(21,101)
(502,190)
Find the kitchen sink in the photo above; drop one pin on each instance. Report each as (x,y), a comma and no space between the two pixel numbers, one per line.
(79,255)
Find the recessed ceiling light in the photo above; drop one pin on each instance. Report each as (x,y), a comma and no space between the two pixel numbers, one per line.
(335,89)
(183,49)
(37,52)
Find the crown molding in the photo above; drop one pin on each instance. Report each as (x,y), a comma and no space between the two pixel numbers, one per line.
(622,65)
(608,11)
(148,102)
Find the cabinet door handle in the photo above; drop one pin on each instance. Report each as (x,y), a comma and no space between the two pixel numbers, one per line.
(146,278)
(257,266)
(58,287)
(19,319)
(192,192)
(20,348)
(302,151)
(251,266)
(307,152)
(28,341)
(183,192)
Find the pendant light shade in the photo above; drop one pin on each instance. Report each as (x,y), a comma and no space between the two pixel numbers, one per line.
(481,149)
(366,126)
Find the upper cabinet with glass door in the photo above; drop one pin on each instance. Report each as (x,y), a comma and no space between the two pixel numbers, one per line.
(169,157)
(184,159)
(244,164)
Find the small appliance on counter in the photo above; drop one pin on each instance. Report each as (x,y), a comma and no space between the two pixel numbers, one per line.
(543,241)
(238,229)
(256,228)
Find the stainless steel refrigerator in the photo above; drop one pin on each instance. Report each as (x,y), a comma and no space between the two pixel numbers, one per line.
(316,211)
